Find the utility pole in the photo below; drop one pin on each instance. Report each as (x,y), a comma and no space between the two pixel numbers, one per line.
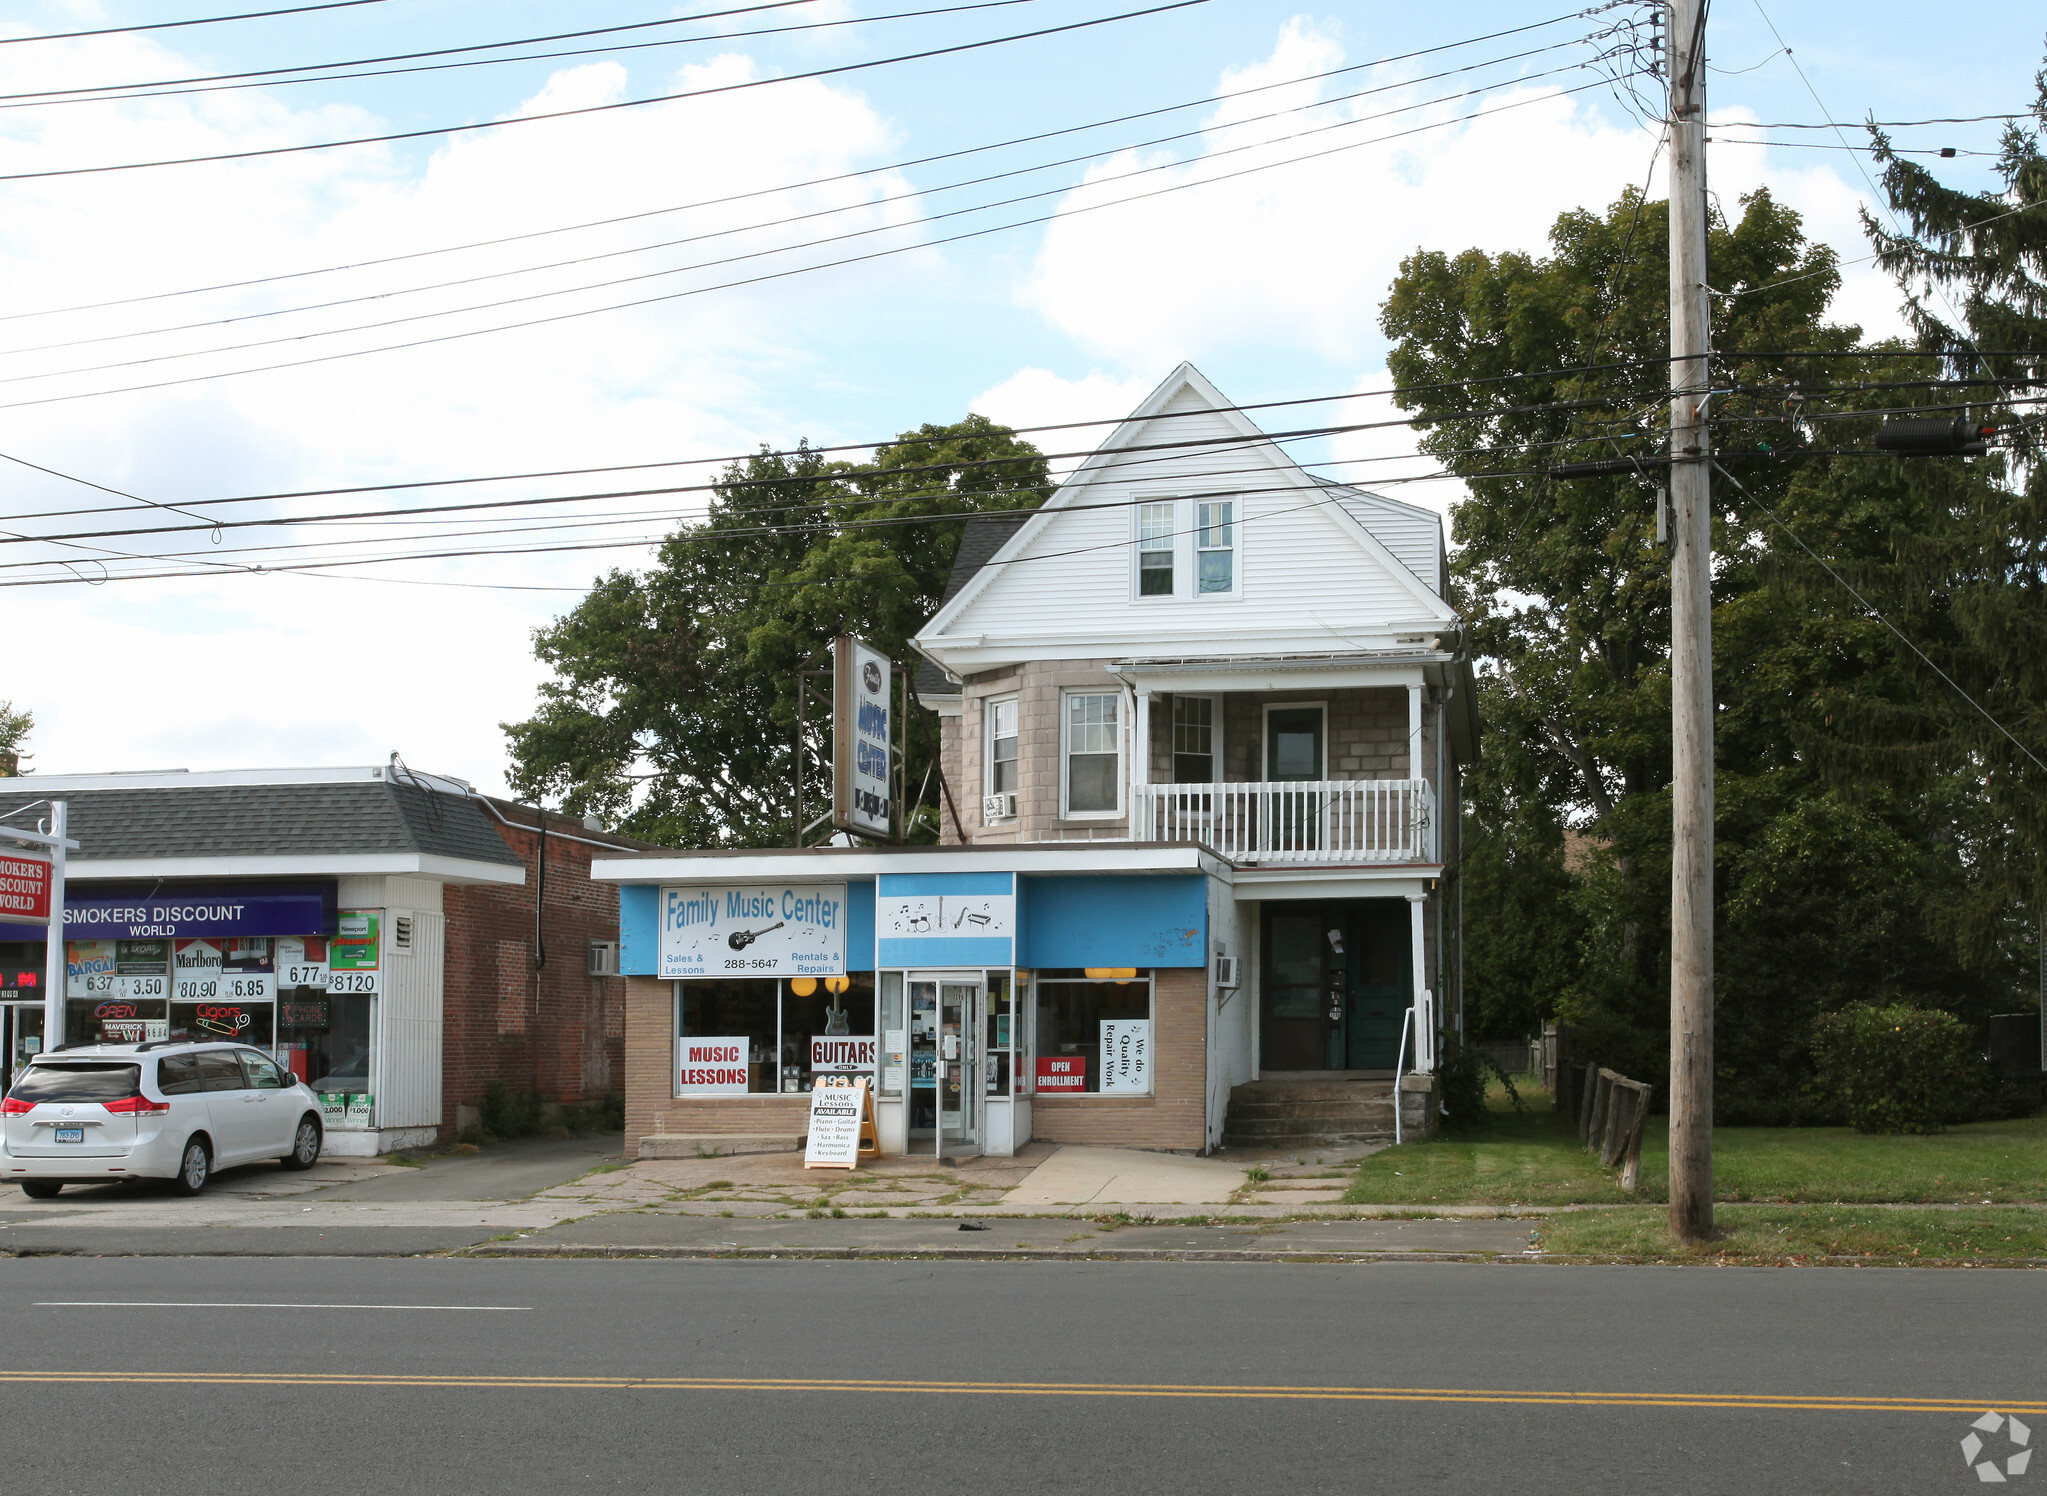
(1691,642)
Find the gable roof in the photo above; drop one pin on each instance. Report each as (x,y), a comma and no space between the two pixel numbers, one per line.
(983,536)
(1206,446)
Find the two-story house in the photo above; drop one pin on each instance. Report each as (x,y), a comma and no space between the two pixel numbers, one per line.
(1202,720)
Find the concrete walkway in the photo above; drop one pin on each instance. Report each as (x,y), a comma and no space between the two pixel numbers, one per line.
(1124,1176)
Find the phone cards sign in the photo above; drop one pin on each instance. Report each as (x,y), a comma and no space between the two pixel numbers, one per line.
(712,1067)
(754,930)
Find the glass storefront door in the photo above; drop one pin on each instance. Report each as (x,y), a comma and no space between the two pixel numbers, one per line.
(21,1036)
(945,1060)
(959,1068)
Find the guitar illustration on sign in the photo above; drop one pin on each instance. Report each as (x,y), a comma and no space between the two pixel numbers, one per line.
(739,940)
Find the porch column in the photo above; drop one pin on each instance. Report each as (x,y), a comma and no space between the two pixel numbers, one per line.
(1140,735)
(1424,1005)
(1414,732)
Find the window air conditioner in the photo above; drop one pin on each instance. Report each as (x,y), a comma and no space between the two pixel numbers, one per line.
(1226,973)
(998,807)
(601,958)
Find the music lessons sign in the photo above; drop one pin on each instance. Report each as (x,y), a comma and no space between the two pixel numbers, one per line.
(753,930)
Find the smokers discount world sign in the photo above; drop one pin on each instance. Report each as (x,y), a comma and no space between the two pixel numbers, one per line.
(24,889)
(753,929)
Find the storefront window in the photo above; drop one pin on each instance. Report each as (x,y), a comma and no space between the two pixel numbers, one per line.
(996,1067)
(324,1039)
(735,1008)
(818,1013)
(1094,1032)
(894,1041)
(791,1030)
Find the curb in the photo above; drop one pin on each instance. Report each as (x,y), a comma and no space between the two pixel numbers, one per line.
(959,1254)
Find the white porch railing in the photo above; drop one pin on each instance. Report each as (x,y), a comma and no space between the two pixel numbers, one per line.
(1326,821)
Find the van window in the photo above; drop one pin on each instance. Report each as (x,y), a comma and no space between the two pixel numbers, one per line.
(263,1074)
(80,1082)
(219,1069)
(178,1075)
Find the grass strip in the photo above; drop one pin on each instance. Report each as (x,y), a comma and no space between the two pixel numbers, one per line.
(1534,1158)
(1801,1233)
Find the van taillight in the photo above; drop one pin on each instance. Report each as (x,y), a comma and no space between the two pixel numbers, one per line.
(134,1105)
(14,1106)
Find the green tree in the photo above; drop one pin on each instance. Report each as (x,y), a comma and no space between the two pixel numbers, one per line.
(671,711)
(15,726)
(1828,883)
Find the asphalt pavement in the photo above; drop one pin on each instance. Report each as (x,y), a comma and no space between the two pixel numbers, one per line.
(285,1376)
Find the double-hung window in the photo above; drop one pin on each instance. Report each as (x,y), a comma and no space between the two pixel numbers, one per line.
(1002,747)
(1194,740)
(1156,544)
(1091,742)
(1215,545)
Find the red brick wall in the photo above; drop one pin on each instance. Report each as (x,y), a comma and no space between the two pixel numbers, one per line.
(552,1031)
(1175,1115)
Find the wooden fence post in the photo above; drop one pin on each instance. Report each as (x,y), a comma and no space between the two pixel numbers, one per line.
(1587,1089)
(1631,1172)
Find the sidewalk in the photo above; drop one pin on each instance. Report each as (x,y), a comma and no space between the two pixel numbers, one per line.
(578,1196)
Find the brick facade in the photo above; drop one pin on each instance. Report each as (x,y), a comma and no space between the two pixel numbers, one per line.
(1365,738)
(545,1028)
(1172,1118)
(1175,1116)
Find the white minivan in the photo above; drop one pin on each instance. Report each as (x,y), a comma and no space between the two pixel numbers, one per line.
(162,1109)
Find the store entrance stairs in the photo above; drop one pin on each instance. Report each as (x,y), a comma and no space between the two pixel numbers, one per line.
(1303,1110)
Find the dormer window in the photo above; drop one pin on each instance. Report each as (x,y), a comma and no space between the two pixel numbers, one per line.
(1156,543)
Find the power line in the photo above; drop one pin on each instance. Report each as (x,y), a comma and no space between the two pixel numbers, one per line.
(262,80)
(554,114)
(106,92)
(247,15)
(894,166)
(1061,212)
(863,206)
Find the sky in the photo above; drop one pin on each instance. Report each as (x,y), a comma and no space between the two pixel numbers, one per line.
(828,239)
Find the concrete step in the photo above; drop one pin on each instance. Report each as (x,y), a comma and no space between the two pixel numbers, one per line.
(1309,1109)
(1272,1127)
(1294,1090)
(1304,1142)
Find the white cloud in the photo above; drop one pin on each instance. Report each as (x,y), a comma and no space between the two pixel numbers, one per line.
(1038,397)
(1300,257)
(203,673)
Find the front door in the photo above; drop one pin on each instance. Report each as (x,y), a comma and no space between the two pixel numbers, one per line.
(1334,985)
(945,1069)
(1294,755)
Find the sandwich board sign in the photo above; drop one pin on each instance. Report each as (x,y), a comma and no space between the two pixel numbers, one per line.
(841,1125)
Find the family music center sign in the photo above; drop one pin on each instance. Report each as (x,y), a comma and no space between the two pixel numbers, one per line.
(753,930)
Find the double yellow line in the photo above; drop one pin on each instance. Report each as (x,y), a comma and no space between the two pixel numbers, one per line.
(1733,1401)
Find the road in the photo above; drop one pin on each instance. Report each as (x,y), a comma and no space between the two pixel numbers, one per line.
(722,1376)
